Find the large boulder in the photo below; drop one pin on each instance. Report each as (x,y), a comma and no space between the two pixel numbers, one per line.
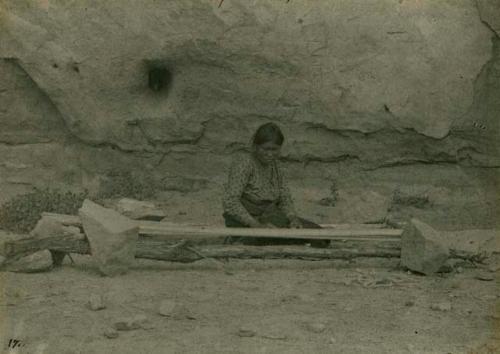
(422,248)
(112,237)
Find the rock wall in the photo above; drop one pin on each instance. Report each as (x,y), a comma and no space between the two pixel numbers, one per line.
(374,94)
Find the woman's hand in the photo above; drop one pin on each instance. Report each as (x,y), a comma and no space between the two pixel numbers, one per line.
(295,223)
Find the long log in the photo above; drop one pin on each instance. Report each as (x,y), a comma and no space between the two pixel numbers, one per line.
(185,251)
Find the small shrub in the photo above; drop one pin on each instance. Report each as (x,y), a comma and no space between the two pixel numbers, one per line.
(123,184)
(21,213)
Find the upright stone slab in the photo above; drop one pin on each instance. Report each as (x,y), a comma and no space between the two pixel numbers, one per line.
(422,249)
(112,237)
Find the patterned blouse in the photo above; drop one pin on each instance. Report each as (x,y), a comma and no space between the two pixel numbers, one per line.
(255,182)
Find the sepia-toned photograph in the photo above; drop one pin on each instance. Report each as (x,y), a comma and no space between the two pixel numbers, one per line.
(249,176)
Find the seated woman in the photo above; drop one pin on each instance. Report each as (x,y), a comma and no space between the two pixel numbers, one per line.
(257,195)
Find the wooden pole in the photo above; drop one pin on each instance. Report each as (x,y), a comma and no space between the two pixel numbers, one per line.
(188,252)
(171,231)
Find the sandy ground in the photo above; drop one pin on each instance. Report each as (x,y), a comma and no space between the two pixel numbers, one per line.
(253,306)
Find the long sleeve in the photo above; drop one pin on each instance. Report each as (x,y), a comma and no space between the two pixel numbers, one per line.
(286,201)
(239,174)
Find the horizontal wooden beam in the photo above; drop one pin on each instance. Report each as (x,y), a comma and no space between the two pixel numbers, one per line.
(165,230)
(157,230)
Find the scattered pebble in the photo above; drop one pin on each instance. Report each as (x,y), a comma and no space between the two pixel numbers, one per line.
(316,327)
(409,303)
(96,302)
(442,306)
(131,323)
(384,281)
(246,332)
(275,336)
(460,270)
(174,310)
(110,333)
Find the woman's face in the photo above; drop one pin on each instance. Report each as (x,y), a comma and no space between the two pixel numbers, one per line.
(268,152)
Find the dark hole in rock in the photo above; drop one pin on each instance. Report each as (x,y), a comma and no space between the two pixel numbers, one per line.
(159,78)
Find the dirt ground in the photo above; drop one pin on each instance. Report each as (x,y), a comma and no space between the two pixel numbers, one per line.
(253,306)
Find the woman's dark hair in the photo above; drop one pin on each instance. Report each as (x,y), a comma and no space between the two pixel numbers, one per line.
(268,132)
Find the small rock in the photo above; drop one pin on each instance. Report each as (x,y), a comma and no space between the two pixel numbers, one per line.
(110,333)
(442,306)
(409,303)
(40,261)
(275,336)
(384,281)
(96,302)
(316,327)
(176,311)
(484,277)
(445,268)
(347,282)
(246,332)
(131,323)
(460,270)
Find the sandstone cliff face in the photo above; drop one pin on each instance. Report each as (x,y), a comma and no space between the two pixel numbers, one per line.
(364,90)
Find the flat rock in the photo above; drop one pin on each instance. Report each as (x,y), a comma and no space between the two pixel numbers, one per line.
(131,323)
(112,237)
(174,310)
(422,249)
(40,261)
(139,210)
(96,302)
(246,332)
(50,227)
